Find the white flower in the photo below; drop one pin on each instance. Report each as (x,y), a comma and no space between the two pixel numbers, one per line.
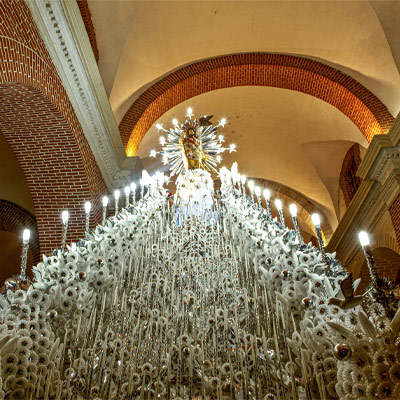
(331,387)
(22,325)
(136,379)
(33,325)
(34,335)
(359,390)
(25,342)
(380,372)
(8,383)
(24,309)
(9,369)
(386,390)
(43,359)
(66,305)
(382,324)
(35,296)
(34,358)
(376,310)
(21,371)
(329,364)
(20,296)
(395,372)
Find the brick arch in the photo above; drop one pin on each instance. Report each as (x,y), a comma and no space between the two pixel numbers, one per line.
(50,158)
(311,77)
(35,111)
(386,240)
(348,181)
(14,219)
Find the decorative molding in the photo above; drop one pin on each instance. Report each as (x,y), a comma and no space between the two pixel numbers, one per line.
(389,143)
(63,31)
(380,171)
(388,159)
(340,239)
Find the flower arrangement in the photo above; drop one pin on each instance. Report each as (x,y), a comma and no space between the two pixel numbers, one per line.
(232,306)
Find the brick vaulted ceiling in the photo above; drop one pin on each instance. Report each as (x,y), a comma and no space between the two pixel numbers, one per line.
(364,109)
(308,78)
(38,123)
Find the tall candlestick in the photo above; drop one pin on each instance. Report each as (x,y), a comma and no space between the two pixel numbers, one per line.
(105,202)
(278,205)
(267,196)
(364,240)
(24,256)
(117,193)
(251,187)
(317,225)
(381,298)
(243,181)
(142,183)
(127,190)
(293,212)
(238,181)
(257,192)
(133,191)
(65,218)
(88,207)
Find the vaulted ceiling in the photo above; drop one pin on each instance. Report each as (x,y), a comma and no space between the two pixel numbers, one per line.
(287,130)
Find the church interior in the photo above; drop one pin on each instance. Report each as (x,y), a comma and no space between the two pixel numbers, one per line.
(305,94)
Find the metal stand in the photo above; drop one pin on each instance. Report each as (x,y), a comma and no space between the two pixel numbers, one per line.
(87,225)
(297,229)
(24,258)
(259,201)
(321,245)
(103,221)
(64,236)
(269,211)
(281,217)
(116,207)
(371,266)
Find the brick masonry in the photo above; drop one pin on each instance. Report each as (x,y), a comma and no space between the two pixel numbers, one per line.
(366,111)
(394,211)
(345,175)
(87,20)
(14,219)
(388,265)
(41,127)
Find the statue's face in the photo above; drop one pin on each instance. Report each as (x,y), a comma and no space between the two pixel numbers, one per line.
(190,132)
